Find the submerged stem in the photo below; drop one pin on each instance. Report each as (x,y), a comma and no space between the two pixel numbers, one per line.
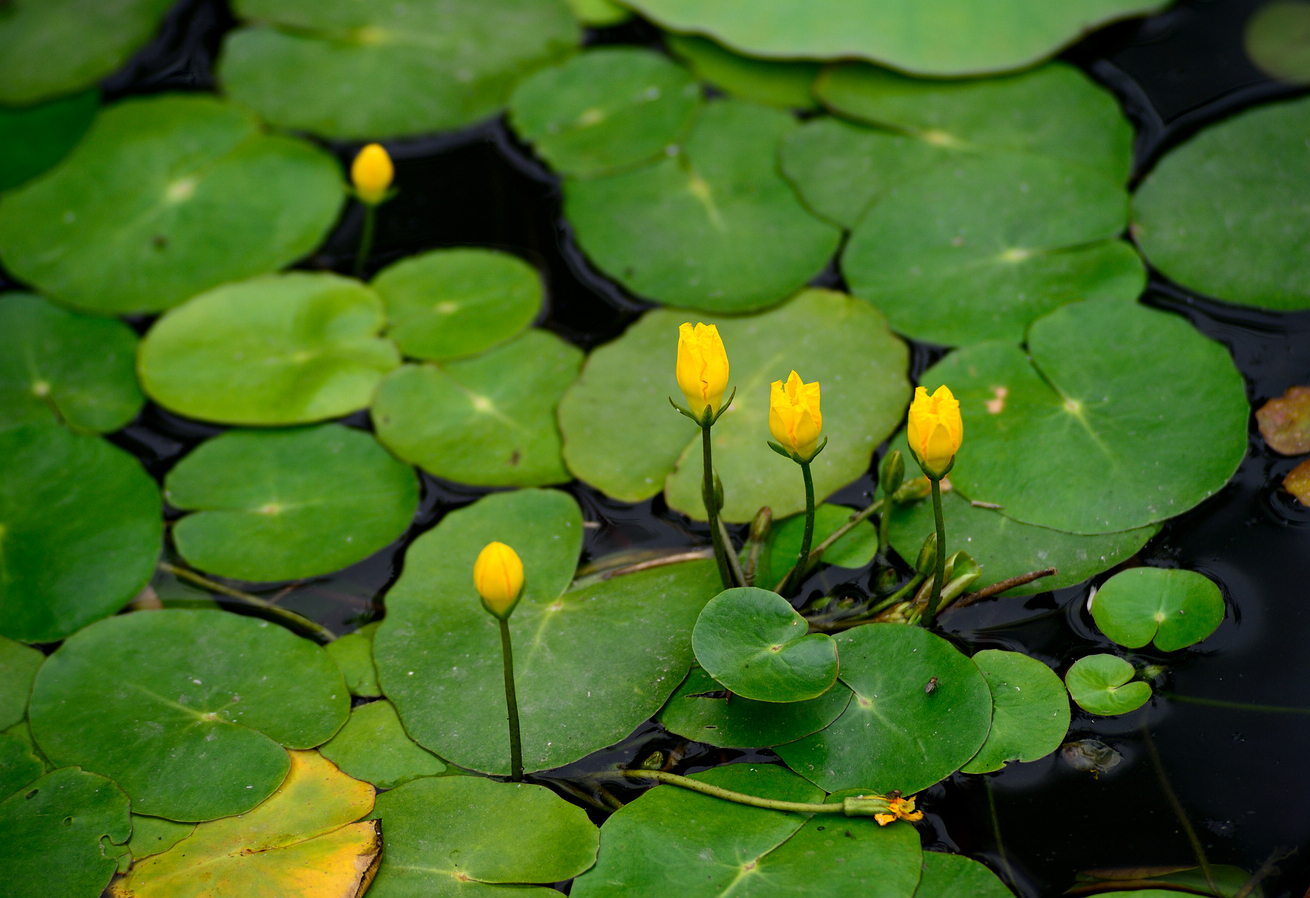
(286,615)
(511,704)
(1179,812)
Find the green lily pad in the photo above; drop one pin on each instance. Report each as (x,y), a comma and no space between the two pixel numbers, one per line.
(374,747)
(1104,684)
(936,37)
(456,835)
(167,197)
(701,710)
(1277,40)
(77,367)
(780,552)
(451,303)
(1030,710)
(54,47)
(896,734)
(754,642)
(352,71)
(673,841)
(18,667)
(188,711)
(590,664)
(288,504)
(34,138)
(1058,437)
(18,764)
(286,349)
(1170,608)
(782,84)
(841,342)
(599,13)
(714,227)
(486,421)
(953,875)
(62,570)
(605,110)
(1221,214)
(155,835)
(354,655)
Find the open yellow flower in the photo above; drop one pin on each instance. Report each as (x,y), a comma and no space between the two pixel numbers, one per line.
(794,417)
(372,173)
(498,576)
(935,430)
(702,368)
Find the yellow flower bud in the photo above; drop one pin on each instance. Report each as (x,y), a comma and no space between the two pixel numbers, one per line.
(371,173)
(498,576)
(934,430)
(794,417)
(702,368)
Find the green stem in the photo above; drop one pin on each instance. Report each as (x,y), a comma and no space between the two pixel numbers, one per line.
(288,616)
(672,779)
(366,238)
(734,563)
(816,554)
(803,557)
(712,509)
(511,704)
(936,595)
(1179,811)
(996,830)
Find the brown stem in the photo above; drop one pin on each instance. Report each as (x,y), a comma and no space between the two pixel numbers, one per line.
(1005,585)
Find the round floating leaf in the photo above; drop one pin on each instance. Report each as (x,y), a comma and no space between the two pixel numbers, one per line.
(1030,710)
(486,421)
(285,349)
(783,547)
(374,747)
(714,227)
(605,110)
(155,835)
(1170,608)
(701,710)
(841,342)
(1277,39)
(1103,684)
(77,367)
(754,642)
(894,734)
(1118,416)
(63,570)
(34,138)
(782,84)
(52,832)
(164,198)
(457,302)
(1222,214)
(930,37)
(349,70)
(18,765)
(288,504)
(952,876)
(354,655)
(188,711)
(18,667)
(449,835)
(1285,422)
(599,13)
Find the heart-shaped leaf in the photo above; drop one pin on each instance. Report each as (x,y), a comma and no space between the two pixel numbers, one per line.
(1170,608)
(782,549)
(1030,710)
(374,747)
(953,876)
(1104,684)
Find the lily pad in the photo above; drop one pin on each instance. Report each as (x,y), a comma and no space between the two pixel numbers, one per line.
(288,504)
(155,835)
(354,71)
(451,303)
(300,843)
(599,13)
(18,667)
(486,421)
(18,764)
(456,835)
(354,655)
(188,711)
(755,643)
(1222,214)
(1277,40)
(590,664)
(53,831)
(841,342)
(34,138)
(1104,684)
(703,711)
(714,227)
(779,553)
(953,875)
(782,84)
(62,570)
(1057,437)
(1170,608)
(167,197)
(605,110)
(286,349)
(374,747)
(896,734)
(1285,422)
(78,368)
(1030,710)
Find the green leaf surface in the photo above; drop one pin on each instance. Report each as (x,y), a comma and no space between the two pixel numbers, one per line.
(18,667)
(755,643)
(374,747)
(354,655)
(188,711)
(782,549)
(1277,39)
(34,138)
(953,876)
(288,504)
(841,342)
(451,303)
(155,835)
(62,571)
(166,197)
(348,70)
(714,227)
(599,13)
(285,349)
(782,84)
(485,421)
(606,110)
(1104,684)
(1170,608)
(18,764)
(894,734)
(1030,710)
(1084,432)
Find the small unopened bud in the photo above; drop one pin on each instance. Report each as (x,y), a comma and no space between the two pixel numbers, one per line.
(893,472)
(912,491)
(761,524)
(927,562)
(718,493)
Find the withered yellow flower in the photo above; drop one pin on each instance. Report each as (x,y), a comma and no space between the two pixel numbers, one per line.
(794,417)
(372,173)
(498,576)
(899,809)
(935,430)
(702,368)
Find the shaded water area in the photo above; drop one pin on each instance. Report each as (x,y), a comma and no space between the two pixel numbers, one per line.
(1235,773)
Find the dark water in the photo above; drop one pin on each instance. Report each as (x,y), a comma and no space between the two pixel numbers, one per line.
(1237,774)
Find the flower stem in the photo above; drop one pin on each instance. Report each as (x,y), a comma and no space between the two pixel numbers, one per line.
(712,509)
(673,779)
(286,615)
(936,595)
(366,238)
(512,704)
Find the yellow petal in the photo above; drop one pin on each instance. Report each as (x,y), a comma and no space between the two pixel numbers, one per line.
(702,367)
(498,577)
(939,451)
(372,173)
